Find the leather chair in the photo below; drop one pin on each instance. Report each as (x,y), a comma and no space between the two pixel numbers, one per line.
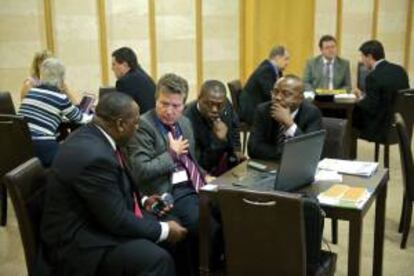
(362,73)
(26,184)
(403,104)
(336,142)
(407,165)
(15,147)
(264,234)
(6,103)
(235,88)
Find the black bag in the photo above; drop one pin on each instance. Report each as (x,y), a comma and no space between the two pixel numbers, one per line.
(314,222)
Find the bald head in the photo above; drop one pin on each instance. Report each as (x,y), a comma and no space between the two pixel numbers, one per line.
(114,105)
(292,81)
(288,92)
(118,114)
(212,99)
(212,86)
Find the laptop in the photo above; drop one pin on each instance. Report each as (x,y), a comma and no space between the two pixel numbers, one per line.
(298,164)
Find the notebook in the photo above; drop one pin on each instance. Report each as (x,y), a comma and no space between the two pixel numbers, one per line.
(344,195)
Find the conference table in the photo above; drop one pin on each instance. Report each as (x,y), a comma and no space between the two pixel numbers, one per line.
(376,184)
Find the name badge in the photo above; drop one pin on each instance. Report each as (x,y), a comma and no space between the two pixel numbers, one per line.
(179,177)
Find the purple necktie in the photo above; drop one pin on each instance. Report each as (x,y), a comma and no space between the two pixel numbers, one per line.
(191,168)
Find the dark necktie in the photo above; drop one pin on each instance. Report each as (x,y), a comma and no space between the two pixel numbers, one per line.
(121,162)
(281,135)
(189,165)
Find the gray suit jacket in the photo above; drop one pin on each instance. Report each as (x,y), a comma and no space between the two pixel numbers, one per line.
(151,163)
(313,74)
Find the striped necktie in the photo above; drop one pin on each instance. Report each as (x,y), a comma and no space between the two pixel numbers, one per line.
(280,139)
(192,170)
(327,74)
(121,162)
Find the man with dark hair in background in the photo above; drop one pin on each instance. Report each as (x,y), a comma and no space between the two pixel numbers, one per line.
(373,113)
(216,129)
(259,85)
(286,115)
(327,70)
(93,221)
(132,79)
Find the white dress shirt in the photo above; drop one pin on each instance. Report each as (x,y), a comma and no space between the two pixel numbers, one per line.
(331,71)
(290,132)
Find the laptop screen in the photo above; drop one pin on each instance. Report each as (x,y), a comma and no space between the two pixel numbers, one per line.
(300,157)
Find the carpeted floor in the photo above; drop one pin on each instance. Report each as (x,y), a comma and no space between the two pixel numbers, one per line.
(396,261)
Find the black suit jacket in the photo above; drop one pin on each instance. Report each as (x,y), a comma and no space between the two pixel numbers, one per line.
(139,85)
(373,114)
(263,137)
(257,90)
(88,206)
(209,149)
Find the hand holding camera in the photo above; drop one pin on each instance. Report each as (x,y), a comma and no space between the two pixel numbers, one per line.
(159,205)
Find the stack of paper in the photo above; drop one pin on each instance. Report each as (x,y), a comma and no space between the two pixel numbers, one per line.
(210,188)
(309,95)
(330,91)
(345,98)
(345,195)
(324,175)
(360,168)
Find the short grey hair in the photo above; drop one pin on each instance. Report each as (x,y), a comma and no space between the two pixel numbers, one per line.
(277,51)
(174,84)
(52,72)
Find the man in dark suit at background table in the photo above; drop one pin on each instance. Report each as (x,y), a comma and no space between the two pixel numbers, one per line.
(93,222)
(132,79)
(259,85)
(373,113)
(216,129)
(286,115)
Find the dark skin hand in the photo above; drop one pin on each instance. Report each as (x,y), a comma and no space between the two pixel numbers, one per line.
(281,114)
(177,232)
(220,129)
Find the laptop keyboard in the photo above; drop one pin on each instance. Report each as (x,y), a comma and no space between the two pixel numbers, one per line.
(256,180)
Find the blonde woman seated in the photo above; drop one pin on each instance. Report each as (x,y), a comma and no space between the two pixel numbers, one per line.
(34,79)
(44,108)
